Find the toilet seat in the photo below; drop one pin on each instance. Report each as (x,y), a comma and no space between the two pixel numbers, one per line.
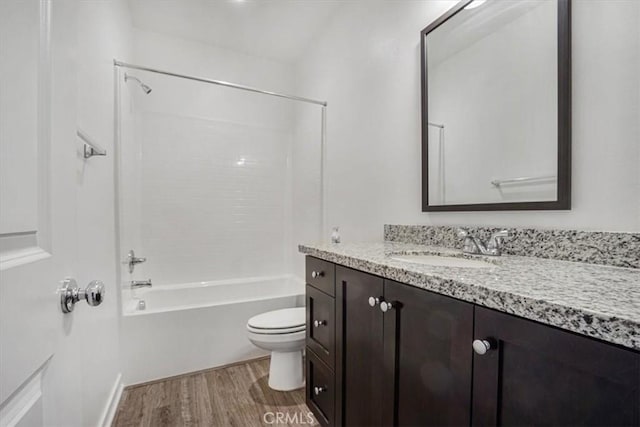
(285,321)
(285,340)
(276,331)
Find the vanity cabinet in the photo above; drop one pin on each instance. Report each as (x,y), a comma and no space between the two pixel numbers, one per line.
(534,374)
(407,356)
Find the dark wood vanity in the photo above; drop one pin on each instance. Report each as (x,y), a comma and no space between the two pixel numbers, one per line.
(414,364)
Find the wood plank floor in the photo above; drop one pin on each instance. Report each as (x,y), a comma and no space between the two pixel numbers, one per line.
(236,395)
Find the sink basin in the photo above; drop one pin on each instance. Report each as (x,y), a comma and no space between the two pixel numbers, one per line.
(442,261)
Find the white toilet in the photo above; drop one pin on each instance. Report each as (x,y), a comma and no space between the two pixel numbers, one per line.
(283,333)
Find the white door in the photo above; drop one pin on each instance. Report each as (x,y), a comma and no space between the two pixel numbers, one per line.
(41,349)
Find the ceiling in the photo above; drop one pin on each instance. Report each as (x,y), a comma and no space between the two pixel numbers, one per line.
(275,29)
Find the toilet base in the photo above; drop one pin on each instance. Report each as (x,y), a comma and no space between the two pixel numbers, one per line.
(285,370)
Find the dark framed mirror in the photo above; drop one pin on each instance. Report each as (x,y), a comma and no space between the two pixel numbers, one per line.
(496,107)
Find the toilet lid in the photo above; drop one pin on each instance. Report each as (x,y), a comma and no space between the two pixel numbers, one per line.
(288,318)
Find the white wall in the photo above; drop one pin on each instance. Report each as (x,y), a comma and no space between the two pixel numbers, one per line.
(366,64)
(208,187)
(103,33)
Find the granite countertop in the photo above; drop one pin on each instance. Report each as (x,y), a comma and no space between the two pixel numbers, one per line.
(594,300)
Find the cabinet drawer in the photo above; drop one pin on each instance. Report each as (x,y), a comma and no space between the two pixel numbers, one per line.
(321,330)
(320,389)
(321,274)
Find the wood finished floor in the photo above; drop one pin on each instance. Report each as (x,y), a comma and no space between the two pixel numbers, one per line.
(236,395)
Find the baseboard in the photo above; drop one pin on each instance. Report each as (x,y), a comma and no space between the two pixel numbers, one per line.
(109,411)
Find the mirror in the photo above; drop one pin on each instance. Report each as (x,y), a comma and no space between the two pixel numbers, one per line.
(496,107)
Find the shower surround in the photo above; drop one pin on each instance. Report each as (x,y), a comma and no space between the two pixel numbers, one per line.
(207,195)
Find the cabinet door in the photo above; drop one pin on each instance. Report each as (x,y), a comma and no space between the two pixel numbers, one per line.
(540,375)
(362,347)
(428,354)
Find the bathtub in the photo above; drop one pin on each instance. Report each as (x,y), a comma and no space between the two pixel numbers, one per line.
(194,326)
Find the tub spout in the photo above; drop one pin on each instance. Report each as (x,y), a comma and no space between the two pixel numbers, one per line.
(141,284)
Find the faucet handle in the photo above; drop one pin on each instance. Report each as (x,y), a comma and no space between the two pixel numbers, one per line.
(502,234)
(495,242)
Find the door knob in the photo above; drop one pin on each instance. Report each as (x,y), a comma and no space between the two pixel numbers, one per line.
(70,294)
(93,293)
(481,346)
(373,301)
(318,323)
(316,274)
(318,390)
(386,306)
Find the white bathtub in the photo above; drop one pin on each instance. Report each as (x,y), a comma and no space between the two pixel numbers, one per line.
(194,326)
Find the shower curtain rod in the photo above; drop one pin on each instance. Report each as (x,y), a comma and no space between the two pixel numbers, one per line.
(218,82)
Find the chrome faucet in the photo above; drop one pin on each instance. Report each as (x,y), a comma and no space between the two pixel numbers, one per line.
(475,246)
(141,284)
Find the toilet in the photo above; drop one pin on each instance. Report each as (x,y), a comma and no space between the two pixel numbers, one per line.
(282,332)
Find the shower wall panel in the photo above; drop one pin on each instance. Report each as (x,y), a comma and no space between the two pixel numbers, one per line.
(213,198)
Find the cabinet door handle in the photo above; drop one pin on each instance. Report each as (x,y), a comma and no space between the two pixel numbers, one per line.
(386,306)
(318,323)
(318,390)
(373,301)
(316,274)
(482,346)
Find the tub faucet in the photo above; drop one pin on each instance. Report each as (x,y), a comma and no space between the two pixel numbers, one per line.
(141,284)
(475,246)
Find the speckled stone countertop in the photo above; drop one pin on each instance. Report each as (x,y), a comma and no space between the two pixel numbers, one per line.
(594,300)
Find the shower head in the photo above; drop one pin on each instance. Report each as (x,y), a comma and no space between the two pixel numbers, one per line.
(144,87)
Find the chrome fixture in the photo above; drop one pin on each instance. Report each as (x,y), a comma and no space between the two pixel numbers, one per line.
(135,284)
(481,346)
(475,246)
(215,82)
(70,294)
(316,274)
(132,260)
(499,182)
(318,323)
(142,305)
(373,301)
(144,87)
(90,147)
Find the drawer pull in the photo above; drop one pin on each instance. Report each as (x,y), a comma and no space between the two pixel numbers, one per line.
(373,301)
(318,323)
(386,306)
(316,274)
(481,346)
(318,390)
